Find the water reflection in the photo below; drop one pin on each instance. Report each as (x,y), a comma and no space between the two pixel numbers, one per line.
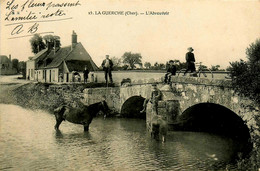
(111,144)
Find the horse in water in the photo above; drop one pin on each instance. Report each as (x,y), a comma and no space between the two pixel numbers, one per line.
(82,115)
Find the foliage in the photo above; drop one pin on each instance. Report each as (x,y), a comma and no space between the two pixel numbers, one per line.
(245,77)
(204,68)
(253,53)
(246,74)
(147,65)
(52,41)
(158,66)
(125,67)
(132,59)
(116,63)
(179,65)
(37,43)
(22,68)
(216,68)
(15,64)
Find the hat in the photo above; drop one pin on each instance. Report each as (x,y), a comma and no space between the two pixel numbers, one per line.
(171,61)
(190,48)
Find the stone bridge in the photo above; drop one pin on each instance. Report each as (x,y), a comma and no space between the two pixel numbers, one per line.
(191,104)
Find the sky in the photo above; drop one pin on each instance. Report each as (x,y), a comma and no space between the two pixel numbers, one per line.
(218,31)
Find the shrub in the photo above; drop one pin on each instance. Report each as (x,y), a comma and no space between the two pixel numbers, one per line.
(246,74)
(245,77)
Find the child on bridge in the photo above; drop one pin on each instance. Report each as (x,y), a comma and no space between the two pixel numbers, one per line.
(170,71)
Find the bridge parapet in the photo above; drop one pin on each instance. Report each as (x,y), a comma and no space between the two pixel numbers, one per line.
(202,81)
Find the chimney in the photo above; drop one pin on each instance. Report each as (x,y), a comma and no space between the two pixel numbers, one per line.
(73,39)
(10,57)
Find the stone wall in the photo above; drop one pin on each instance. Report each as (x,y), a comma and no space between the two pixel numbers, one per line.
(191,91)
(110,94)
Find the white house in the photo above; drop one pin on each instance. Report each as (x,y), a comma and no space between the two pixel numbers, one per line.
(57,65)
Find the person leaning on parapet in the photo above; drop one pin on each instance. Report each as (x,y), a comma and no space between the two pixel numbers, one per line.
(170,71)
(107,65)
(190,59)
(85,74)
(156,95)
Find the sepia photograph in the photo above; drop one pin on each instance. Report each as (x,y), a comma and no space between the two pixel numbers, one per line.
(129,85)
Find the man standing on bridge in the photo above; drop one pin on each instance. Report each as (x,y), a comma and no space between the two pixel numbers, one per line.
(107,65)
(190,59)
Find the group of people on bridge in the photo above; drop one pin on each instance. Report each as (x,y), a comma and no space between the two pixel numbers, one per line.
(107,66)
(190,62)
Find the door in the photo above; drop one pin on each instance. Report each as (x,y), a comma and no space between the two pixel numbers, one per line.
(50,75)
(67,79)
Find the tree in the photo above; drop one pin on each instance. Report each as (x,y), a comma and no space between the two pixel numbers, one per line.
(158,66)
(37,43)
(52,41)
(162,66)
(147,65)
(203,68)
(245,75)
(132,59)
(215,68)
(116,63)
(15,64)
(22,68)
(179,65)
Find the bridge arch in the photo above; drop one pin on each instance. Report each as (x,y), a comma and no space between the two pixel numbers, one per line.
(217,119)
(132,106)
(214,118)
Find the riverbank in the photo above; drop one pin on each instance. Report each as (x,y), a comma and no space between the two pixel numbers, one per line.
(44,96)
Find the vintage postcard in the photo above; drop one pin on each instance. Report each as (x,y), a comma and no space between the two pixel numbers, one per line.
(129,71)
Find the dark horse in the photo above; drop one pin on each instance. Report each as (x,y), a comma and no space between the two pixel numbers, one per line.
(82,115)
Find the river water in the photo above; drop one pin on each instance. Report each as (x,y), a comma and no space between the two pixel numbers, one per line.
(29,142)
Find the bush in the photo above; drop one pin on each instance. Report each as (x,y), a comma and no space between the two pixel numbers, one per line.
(245,77)
(246,74)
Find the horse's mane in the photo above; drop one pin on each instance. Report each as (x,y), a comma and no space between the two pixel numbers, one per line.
(94,108)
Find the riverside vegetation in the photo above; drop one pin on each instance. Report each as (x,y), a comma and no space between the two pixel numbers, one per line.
(245,77)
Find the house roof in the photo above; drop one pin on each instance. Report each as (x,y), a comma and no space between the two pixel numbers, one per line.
(76,58)
(40,54)
(75,65)
(4,59)
(57,58)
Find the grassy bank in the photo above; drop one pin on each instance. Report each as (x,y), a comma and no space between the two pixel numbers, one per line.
(37,96)
(48,96)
